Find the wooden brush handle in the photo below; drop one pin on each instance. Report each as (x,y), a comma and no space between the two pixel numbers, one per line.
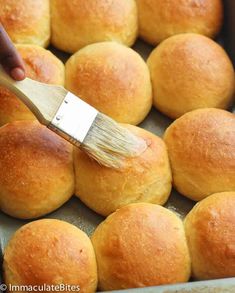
(22,90)
(42,99)
(14,86)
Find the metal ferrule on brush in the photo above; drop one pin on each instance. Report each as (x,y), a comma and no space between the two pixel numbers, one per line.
(73,119)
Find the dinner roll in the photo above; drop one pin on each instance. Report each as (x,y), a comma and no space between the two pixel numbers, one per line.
(112,78)
(146,178)
(210,229)
(26,21)
(41,65)
(51,252)
(201,148)
(78,23)
(160,19)
(189,72)
(36,167)
(141,245)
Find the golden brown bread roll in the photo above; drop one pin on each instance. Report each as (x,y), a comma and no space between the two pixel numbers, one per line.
(146,178)
(189,72)
(51,252)
(41,65)
(201,148)
(160,19)
(78,23)
(26,21)
(210,230)
(141,245)
(112,78)
(36,166)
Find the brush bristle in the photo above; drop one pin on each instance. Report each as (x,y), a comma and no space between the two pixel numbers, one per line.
(109,143)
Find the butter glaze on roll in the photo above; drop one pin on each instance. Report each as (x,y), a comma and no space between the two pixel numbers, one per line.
(36,166)
(112,78)
(78,23)
(189,72)
(41,65)
(51,252)
(161,19)
(146,178)
(201,148)
(26,21)
(141,245)
(210,229)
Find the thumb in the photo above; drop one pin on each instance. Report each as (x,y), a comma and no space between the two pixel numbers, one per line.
(9,57)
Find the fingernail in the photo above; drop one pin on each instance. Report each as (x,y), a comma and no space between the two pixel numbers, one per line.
(17,73)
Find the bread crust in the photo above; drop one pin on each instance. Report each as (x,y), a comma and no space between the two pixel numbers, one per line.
(141,245)
(36,165)
(210,230)
(40,65)
(112,78)
(189,72)
(160,19)
(201,148)
(50,252)
(78,23)
(26,21)
(146,178)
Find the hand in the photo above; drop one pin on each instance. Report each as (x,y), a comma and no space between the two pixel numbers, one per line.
(9,57)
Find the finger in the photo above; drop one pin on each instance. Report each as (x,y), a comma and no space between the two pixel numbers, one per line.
(9,57)
(17,73)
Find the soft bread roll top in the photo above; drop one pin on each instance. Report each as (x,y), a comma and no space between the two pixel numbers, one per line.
(141,245)
(11,108)
(188,72)
(78,23)
(26,21)
(40,65)
(201,148)
(146,178)
(160,19)
(210,229)
(50,252)
(36,170)
(112,78)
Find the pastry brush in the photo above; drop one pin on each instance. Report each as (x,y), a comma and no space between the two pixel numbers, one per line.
(99,136)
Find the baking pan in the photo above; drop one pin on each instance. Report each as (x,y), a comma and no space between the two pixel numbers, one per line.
(76,213)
